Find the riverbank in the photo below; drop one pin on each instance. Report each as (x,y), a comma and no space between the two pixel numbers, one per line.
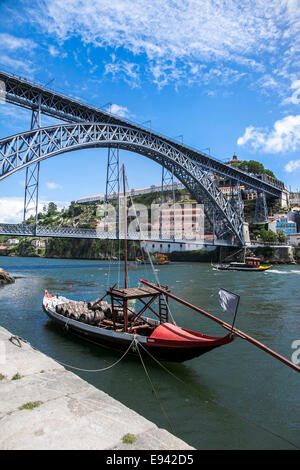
(44,406)
(268,254)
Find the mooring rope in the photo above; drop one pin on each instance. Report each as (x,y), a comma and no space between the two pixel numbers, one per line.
(224,406)
(154,391)
(137,343)
(104,368)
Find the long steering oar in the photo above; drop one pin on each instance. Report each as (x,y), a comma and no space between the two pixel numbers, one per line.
(225,325)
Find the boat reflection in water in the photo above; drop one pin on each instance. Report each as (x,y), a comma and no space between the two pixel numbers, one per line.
(159,259)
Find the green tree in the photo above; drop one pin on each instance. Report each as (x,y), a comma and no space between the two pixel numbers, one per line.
(281,237)
(268,236)
(52,209)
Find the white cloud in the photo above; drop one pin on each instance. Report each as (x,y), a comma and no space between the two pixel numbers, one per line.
(295,98)
(51,185)
(121,111)
(284,137)
(53,51)
(292,165)
(12,43)
(11,209)
(176,37)
(25,66)
(128,71)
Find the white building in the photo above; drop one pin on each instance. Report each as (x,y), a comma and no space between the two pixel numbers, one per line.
(165,247)
(293,239)
(38,243)
(13,241)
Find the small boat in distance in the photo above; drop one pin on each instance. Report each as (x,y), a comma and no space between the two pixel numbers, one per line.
(250,263)
(159,259)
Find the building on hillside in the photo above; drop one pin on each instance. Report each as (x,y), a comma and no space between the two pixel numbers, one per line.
(282,224)
(295,198)
(13,241)
(293,216)
(233,160)
(38,243)
(251,194)
(293,239)
(166,247)
(131,192)
(230,191)
(180,221)
(3,250)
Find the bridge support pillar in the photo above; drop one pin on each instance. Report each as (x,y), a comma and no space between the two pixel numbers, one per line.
(246,234)
(113,181)
(31,196)
(167,183)
(261,209)
(285,198)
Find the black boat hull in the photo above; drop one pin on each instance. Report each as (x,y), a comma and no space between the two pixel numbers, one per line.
(121,342)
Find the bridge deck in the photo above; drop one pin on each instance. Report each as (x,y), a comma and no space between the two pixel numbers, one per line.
(62,232)
(22,92)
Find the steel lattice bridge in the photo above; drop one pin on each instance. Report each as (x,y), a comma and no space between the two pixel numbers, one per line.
(87,127)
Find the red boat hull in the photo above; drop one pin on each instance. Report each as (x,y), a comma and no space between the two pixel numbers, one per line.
(167,342)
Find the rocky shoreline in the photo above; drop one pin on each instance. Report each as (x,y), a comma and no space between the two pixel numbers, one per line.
(5,278)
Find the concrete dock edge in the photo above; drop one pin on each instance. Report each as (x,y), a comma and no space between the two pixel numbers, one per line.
(66,412)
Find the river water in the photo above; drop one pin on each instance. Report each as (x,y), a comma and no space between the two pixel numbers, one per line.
(234,397)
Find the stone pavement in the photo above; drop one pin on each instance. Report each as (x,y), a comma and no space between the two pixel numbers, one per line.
(67,412)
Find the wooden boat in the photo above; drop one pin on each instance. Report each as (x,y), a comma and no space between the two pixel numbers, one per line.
(159,259)
(250,264)
(115,324)
(162,339)
(122,325)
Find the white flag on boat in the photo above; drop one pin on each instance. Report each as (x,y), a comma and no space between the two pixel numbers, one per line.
(228,301)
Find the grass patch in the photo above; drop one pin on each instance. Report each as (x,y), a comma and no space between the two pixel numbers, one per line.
(30,405)
(2,376)
(17,376)
(128,438)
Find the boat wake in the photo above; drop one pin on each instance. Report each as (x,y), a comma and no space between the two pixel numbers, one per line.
(277,271)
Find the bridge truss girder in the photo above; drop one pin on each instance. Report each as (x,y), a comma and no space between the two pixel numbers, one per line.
(23,149)
(22,92)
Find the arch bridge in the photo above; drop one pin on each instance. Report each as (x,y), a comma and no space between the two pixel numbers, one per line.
(88,127)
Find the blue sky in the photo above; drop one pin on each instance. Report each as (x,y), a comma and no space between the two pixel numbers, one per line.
(223,74)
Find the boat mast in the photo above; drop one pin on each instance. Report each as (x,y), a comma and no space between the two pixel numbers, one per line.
(125,229)
(125,306)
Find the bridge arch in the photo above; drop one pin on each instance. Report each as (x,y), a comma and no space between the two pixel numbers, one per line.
(21,150)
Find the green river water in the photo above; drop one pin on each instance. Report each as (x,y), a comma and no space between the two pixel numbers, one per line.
(234,397)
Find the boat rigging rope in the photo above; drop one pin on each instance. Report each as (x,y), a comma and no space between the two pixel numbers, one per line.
(104,368)
(230,410)
(154,391)
(135,346)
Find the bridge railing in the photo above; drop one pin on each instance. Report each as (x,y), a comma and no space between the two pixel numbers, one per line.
(73,232)
(259,243)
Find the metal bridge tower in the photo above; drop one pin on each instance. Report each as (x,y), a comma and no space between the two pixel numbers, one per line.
(113,181)
(261,209)
(31,197)
(167,179)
